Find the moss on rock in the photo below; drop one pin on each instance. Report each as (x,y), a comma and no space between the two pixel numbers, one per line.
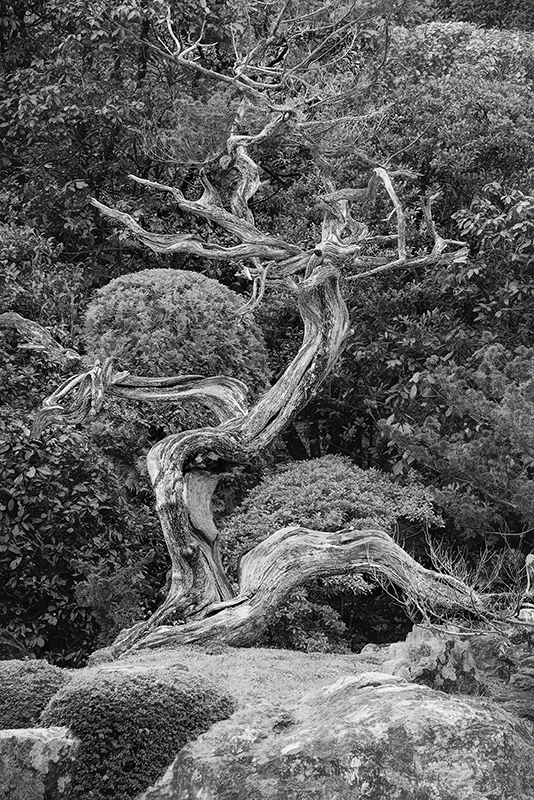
(26,688)
(131,724)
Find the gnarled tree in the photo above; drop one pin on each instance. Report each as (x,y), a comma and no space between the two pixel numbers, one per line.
(289,82)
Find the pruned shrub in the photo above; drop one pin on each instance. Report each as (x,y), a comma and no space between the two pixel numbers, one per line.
(163,322)
(131,725)
(325,494)
(25,689)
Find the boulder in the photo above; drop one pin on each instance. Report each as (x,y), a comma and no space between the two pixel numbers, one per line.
(440,660)
(370,737)
(515,654)
(34,763)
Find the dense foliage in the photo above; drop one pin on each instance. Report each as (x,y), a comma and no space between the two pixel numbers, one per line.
(169,322)
(66,527)
(27,686)
(131,725)
(68,531)
(327,494)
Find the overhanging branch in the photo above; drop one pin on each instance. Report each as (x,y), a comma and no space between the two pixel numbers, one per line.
(292,556)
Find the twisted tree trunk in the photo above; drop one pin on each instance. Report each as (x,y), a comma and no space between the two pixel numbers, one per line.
(201,604)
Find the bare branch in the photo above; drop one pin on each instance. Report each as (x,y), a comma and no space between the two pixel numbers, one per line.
(85,393)
(266,247)
(416,261)
(38,338)
(401,220)
(284,561)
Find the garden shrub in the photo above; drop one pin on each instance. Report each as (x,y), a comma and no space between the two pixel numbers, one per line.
(325,494)
(65,523)
(26,688)
(168,322)
(131,725)
(161,322)
(461,107)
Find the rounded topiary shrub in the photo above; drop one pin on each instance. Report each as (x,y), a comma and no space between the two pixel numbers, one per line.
(131,724)
(325,494)
(163,322)
(26,688)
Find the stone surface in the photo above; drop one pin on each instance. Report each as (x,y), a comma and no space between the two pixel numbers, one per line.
(440,660)
(370,737)
(510,671)
(34,763)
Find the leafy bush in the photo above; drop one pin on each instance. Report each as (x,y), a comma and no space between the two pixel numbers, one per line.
(65,528)
(490,13)
(27,686)
(168,322)
(131,725)
(461,107)
(300,623)
(327,494)
(64,520)
(476,437)
(34,280)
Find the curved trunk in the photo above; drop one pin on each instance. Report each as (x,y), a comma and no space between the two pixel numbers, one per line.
(285,560)
(184,467)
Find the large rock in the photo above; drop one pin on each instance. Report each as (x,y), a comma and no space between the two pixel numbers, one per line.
(369,737)
(34,763)
(437,659)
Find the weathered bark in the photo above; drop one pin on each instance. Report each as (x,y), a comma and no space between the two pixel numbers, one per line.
(290,557)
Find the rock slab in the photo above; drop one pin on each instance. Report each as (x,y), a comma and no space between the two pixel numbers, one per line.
(34,763)
(439,660)
(370,737)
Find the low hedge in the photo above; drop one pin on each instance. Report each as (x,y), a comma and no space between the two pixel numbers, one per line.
(25,689)
(131,725)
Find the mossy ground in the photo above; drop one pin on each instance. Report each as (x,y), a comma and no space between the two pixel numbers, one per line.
(251,674)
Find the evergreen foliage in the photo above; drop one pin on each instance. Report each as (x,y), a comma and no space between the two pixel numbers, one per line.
(170,322)
(163,322)
(326,494)
(131,725)
(65,526)
(27,686)
(478,443)
(490,13)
